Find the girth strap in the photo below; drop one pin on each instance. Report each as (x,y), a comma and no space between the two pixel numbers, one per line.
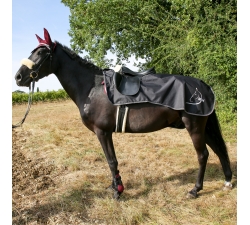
(121,118)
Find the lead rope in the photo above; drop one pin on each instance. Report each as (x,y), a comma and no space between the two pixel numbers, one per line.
(29,105)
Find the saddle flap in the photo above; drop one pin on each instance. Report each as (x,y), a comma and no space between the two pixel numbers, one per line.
(127,85)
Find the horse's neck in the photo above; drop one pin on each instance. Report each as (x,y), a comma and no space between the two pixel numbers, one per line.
(76,79)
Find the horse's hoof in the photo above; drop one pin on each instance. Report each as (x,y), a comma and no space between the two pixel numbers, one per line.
(227,186)
(191,195)
(110,189)
(117,195)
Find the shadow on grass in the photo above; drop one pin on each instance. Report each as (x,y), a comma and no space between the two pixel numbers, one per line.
(71,208)
(213,172)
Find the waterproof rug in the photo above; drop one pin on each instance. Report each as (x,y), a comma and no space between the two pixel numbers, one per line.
(174,91)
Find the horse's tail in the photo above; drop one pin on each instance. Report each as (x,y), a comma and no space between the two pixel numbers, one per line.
(213,131)
(215,140)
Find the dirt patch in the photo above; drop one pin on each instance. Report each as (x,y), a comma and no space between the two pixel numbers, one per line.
(29,177)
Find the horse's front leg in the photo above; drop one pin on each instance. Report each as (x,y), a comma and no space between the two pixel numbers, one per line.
(106,141)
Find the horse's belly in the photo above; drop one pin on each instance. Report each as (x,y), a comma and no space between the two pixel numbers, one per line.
(148,118)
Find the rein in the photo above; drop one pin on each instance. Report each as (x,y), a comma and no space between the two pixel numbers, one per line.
(29,105)
(33,75)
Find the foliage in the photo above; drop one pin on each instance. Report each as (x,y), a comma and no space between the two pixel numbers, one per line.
(48,96)
(195,38)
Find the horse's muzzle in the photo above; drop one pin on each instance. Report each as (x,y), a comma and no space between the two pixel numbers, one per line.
(20,81)
(18,77)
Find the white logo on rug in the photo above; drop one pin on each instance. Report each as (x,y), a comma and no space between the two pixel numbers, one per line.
(196,98)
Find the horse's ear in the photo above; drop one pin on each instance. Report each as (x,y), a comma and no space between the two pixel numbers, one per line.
(47,37)
(47,42)
(39,39)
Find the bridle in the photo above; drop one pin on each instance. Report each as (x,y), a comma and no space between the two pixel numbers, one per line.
(34,75)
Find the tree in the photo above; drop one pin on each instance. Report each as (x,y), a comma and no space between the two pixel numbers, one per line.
(195,38)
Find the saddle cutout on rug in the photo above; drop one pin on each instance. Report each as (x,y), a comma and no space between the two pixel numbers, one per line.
(127,82)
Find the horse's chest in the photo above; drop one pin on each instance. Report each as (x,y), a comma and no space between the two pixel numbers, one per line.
(86,112)
(91,110)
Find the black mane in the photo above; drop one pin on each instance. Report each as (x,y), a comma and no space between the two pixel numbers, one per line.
(76,57)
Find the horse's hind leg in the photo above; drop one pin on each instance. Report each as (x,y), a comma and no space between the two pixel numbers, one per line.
(105,138)
(196,128)
(224,160)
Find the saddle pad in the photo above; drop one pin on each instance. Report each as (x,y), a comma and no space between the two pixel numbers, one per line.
(174,91)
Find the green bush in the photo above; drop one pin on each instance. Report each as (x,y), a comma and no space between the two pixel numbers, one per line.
(47,96)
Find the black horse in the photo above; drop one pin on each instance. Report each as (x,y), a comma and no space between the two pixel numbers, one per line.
(78,78)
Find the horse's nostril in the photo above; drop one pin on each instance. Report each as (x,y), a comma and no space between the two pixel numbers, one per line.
(19,77)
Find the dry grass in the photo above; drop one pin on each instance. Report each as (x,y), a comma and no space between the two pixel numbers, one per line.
(157,170)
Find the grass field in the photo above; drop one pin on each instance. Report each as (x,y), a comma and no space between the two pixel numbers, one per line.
(60,174)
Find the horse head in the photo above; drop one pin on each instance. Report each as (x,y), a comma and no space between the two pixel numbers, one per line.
(38,65)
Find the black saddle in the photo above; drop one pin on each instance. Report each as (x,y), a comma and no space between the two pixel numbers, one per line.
(127,82)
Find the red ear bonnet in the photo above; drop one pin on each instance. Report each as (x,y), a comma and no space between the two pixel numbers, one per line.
(46,42)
